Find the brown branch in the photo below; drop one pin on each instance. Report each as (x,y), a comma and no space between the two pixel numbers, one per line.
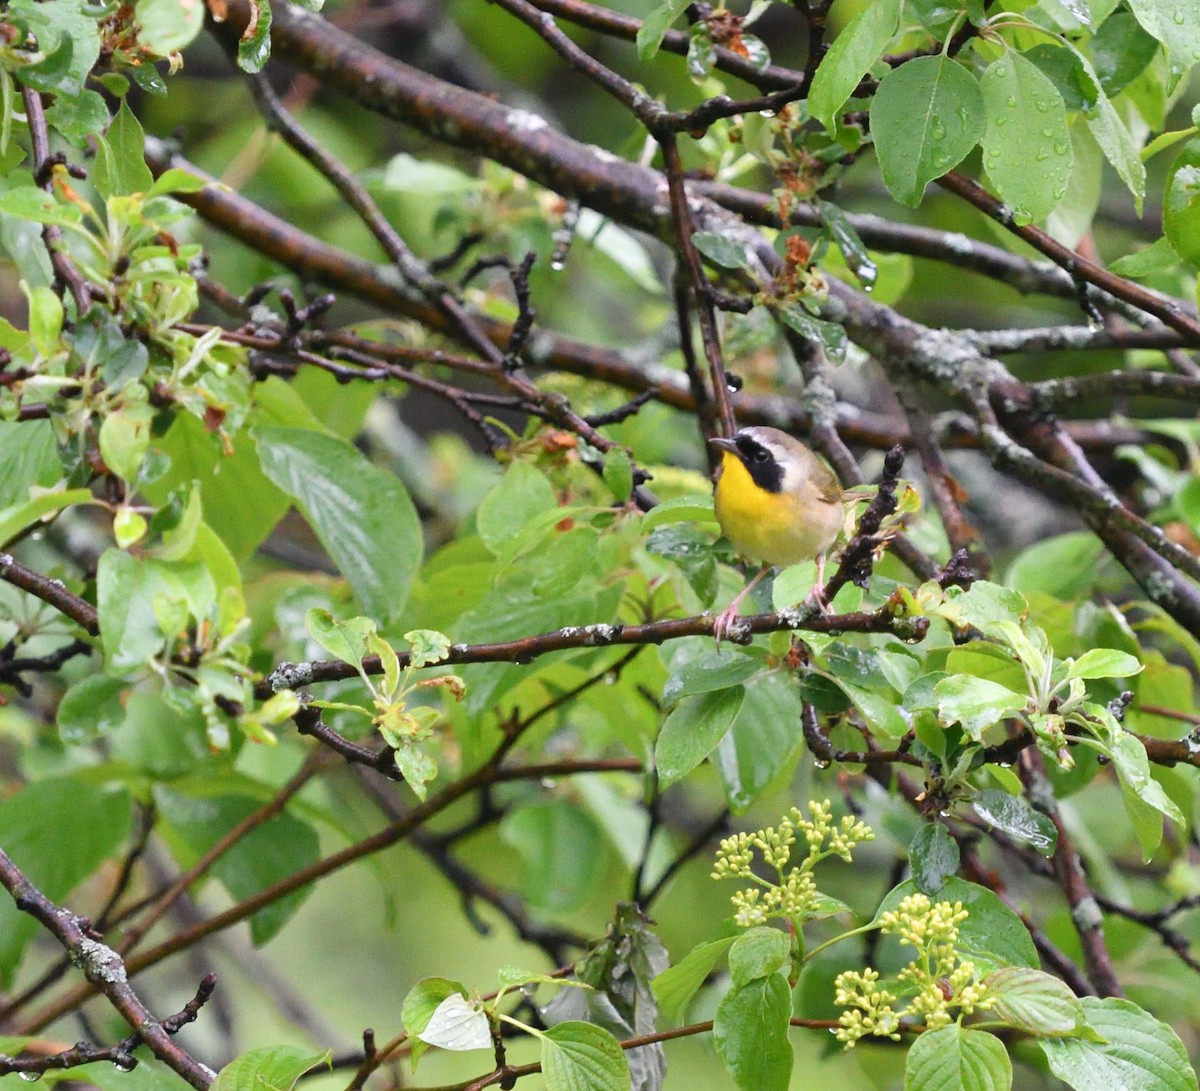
(681,218)
(159,904)
(105,973)
(120,1055)
(626,27)
(524,649)
(51,592)
(1081,269)
(555,941)
(66,274)
(825,753)
(948,496)
(1085,912)
(357,197)
(821,405)
(487,774)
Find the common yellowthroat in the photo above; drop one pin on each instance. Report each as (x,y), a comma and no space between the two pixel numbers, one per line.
(777,503)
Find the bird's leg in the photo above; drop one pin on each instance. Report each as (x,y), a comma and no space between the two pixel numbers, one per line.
(723,622)
(816,597)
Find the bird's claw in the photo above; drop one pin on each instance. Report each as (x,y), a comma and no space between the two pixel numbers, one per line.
(728,626)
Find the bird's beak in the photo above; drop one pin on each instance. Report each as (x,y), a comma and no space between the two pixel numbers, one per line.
(724,444)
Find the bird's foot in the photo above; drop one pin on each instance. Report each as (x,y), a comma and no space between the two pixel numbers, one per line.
(728,626)
(816,598)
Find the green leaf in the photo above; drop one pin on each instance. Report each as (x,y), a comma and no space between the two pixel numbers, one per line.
(457,1024)
(240,503)
(1156,258)
(426,646)
(194,821)
(854,251)
(561,849)
(1181,207)
(1026,145)
(957,1058)
(270,1068)
(362,515)
(522,494)
(1104,663)
(31,203)
(1115,140)
(625,250)
(1121,50)
(829,335)
(131,593)
(720,250)
(763,745)
(1137,1053)
(880,711)
(17,518)
(125,438)
(976,703)
(655,26)
(1016,818)
(1166,140)
(344,640)
(1065,69)
(750,1033)
(1036,1002)
(680,509)
(676,986)
(992,935)
(1145,800)
(581,1057)
(167,26)
(28,457)
(58,832)
(700,54)
(688,548)
(147,78)
(407,174)
(848,59)
(793,584)
(708,671)
(508,614)
(618,473)
(177,180)
(150,1075)
(1064,566)
(423,1000)
(45,320)
(416,767)
(1174,23)
(121,157)
(420,1004)
(91,707)
(758,952)
(933,856)
(692,730)
(254,48)
(926,116)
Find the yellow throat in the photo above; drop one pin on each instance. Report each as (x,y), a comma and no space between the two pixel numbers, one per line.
(778,528)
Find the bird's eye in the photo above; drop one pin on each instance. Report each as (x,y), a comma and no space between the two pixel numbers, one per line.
(760,455)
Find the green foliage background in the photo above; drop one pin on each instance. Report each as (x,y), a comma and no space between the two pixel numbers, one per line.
(383,618)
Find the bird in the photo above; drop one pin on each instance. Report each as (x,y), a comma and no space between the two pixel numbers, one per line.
(777,503)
